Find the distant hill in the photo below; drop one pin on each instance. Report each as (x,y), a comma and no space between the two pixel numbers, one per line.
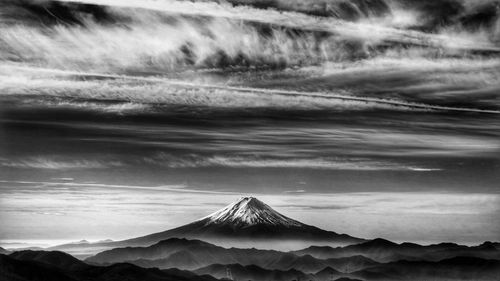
(328,273)
(382,250)
(193,254)
(458,268)
(56,266)
(253,272)
(20,270)
(4,251)
(53,258)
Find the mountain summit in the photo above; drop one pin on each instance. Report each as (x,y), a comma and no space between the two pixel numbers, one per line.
(247,222)
(247,212)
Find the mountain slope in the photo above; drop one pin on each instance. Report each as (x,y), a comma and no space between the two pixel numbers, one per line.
(328,273)
(245,223)
(382,250)
(56,266)
(4,251)
(303,263)
(249,220)
(53,258)
(184,254)
(52,266)
(159,250)
(253,272)
(458,268)
(193,254)
(18,270)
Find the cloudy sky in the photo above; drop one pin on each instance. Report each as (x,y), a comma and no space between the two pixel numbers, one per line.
(131,122)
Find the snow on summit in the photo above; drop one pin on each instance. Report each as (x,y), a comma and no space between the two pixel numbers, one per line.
(248,211)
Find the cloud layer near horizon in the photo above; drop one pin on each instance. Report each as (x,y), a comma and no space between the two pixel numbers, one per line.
(106,211)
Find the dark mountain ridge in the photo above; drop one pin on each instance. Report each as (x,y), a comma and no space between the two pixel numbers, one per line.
(53,258)
(252,272)
(194,254)
(457,268)
(4,251)
(382,250)
(57,266)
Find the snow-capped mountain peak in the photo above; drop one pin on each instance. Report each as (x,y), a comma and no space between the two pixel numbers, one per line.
(246,222)
(249,211)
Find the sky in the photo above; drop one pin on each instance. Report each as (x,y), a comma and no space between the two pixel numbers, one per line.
(112,131)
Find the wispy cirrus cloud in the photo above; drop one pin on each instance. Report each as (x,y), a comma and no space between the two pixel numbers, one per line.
(184,161)
(371,31)
(434,203)
(48,163)
(136,93)
(249,161)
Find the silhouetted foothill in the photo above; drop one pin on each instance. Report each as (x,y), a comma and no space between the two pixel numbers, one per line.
(40,266)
